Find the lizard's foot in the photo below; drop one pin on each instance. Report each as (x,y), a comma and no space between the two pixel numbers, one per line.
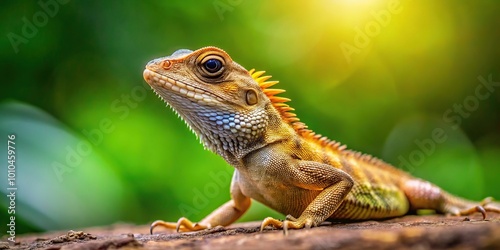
(289,223)
(490,206)
(472,210)
(182,225)
(486,205)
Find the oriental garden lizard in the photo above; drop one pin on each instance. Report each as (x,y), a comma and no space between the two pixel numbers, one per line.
(278,161)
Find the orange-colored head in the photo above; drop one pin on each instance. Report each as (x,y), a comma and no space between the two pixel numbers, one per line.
(219,99)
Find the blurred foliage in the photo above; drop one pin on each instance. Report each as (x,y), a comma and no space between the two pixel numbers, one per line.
(380,76)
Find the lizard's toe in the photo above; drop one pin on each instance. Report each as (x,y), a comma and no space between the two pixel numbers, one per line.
(297,224)
(270,221)
(472,210)
(290,218)
(160,223)
(182,225)
(486,201)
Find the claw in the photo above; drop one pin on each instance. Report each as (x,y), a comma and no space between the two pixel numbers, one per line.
(308,224)
(178,225)
(285,227)
(482,211)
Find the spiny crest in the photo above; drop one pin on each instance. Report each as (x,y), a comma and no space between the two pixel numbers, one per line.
(286,114)
(277,101)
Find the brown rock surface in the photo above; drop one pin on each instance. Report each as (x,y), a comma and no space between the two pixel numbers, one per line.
(415,232)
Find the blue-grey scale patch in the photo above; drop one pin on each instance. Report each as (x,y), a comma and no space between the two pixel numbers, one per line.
(237,129)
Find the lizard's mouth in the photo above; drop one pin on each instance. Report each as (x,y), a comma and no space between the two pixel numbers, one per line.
(161,83)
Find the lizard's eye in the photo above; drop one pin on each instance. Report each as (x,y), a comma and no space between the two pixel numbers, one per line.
(212,66)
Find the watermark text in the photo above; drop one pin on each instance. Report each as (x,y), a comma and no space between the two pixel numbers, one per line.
(11,187)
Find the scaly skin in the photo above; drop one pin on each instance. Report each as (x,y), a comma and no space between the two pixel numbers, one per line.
(277,160)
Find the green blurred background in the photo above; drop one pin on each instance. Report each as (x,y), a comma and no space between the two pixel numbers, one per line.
(402,80)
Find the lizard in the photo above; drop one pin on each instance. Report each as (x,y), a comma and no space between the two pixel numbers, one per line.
(278,160)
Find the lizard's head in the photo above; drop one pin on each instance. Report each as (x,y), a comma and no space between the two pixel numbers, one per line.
(227,106)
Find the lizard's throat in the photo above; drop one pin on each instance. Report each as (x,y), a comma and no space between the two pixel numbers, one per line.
(225,133)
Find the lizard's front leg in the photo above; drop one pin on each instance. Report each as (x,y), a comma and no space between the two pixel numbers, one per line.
(335,185)
(223,216)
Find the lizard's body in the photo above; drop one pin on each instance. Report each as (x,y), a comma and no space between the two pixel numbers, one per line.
(277,160)
(376,191)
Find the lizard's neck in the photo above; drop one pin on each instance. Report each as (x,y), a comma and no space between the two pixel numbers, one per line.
(233,135)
